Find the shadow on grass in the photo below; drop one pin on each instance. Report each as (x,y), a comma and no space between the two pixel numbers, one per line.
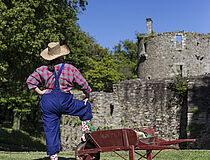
(60,158)
(11,140)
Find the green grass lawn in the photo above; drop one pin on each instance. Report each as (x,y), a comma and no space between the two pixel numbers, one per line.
(164,155)
(19,145)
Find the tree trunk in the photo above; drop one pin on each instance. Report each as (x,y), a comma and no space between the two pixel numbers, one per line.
(16,121)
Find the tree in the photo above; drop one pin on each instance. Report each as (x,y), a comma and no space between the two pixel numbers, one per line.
(103,72)
(26,27)
(126,57)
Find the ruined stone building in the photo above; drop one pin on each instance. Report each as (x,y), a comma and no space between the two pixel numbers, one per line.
(164,55)
(151,99)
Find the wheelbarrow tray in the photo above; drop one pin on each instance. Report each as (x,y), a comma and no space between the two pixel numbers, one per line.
(126,140)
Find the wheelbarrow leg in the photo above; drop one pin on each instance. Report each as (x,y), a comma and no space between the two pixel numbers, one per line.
(149,154)
(131,153)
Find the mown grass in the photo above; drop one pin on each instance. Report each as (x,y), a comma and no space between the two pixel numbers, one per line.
(164,155)
(19,145)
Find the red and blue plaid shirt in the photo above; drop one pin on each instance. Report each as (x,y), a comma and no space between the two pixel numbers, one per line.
(69,75)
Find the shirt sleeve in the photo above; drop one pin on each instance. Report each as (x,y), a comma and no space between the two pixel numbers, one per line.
(33,80)
(80,80)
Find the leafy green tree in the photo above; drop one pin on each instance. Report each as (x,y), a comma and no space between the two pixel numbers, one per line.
(103,73)
(125,54)
(26,27)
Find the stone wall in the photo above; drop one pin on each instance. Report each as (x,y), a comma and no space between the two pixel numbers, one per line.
(104,117)
(165,55)
(133,103)
(151,103)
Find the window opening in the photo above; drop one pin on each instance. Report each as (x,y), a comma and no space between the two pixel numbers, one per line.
(179,69)
(111,109)
(179,38)
(148,77)
(145,47)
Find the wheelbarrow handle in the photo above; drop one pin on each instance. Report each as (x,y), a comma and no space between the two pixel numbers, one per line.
(175,141)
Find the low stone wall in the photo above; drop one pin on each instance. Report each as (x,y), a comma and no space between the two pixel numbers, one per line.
(151,103)
(133,103)
(102,104)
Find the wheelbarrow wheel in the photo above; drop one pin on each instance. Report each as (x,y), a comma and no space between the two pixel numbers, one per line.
(91,156)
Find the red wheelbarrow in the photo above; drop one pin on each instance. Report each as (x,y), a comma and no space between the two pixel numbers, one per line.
(123,140)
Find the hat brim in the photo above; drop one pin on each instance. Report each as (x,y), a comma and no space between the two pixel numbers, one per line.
(64,51)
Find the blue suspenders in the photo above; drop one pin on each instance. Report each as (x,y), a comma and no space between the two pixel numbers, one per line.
(56,84)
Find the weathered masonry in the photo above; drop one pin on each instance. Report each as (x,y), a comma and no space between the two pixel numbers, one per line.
(133,103)
(151,103)
(165,55)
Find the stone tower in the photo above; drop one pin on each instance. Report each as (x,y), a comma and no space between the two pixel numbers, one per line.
(168,54)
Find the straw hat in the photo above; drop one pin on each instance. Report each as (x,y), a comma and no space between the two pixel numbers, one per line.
(54,50)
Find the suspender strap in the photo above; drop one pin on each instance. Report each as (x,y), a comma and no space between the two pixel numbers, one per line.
(56,84)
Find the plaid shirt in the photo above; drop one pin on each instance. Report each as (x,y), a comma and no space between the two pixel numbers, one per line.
(69,75)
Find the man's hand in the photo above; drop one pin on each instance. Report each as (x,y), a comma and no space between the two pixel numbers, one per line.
(87,95)
(85,100)
(39,91)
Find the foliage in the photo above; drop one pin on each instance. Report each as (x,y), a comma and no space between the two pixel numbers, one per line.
(27,26)
(195,110)
(25,29)
(122,121)
(126,50)
(180,85)
(105,127)
(126,58)
(103,68)
(103,74)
